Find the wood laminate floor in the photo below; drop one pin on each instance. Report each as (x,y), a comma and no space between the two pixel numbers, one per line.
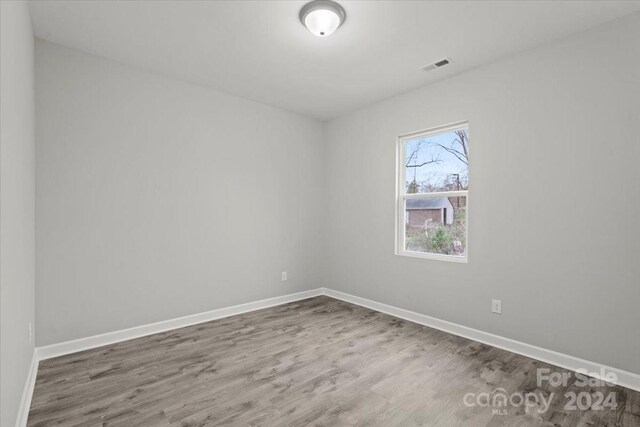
(320,362)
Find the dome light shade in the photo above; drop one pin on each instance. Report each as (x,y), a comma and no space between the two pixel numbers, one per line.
(322,17)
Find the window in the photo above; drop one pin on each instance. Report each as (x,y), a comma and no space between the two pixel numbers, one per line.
(433,191)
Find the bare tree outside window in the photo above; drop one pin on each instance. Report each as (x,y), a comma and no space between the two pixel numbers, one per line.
(437,163)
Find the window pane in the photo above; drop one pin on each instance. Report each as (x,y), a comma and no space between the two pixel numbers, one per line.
(436,225)
(437,162)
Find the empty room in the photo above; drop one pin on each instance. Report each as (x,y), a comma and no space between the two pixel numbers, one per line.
(319,213)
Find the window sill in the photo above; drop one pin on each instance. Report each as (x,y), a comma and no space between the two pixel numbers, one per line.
(437,257)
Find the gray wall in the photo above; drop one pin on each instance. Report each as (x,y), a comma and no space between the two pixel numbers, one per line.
(554,127)
(17,197)
(158,198)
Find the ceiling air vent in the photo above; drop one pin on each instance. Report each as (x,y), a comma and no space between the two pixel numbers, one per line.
(437,64)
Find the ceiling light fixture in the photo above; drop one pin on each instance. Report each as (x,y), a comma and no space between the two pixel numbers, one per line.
(322,17)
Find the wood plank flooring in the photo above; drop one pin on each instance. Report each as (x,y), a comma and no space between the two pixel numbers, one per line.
(321,362)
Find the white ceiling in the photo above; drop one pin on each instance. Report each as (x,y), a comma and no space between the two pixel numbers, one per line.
(259,49)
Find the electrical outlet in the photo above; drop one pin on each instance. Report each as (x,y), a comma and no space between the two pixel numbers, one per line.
(496,306)
(284,276)
(30,332)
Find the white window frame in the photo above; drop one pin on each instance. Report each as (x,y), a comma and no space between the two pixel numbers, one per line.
(402,196)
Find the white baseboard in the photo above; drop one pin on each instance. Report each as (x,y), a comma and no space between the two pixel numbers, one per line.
(624,378)
(68,347)
(27,392)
